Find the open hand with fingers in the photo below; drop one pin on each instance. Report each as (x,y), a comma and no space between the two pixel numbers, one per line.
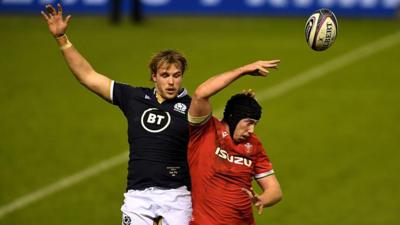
(260,68)
(254,197)
(57,24)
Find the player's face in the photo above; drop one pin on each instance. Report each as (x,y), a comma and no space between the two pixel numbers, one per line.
(244,129)
(168,80)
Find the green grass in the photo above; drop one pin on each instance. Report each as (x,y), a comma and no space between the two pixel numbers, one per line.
(334,142)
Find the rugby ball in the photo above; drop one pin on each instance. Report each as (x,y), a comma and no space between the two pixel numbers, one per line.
(321,29)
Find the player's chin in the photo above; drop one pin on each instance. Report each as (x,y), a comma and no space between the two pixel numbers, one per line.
(170,95)
(246,137)
(243,138)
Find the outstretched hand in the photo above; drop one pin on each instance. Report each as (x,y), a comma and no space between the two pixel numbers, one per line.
(255,199)
(57,24)
(260,68)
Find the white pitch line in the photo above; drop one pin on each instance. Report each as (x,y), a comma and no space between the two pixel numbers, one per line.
(273,92)
(63,183)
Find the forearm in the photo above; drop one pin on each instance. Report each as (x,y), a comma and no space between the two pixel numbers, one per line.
(272,192)
(83,71)
(270,196)
(216,83)
(78,65)
(200,105)
(219,82)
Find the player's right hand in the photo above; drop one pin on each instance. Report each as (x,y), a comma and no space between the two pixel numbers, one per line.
(255,199)
(57,24)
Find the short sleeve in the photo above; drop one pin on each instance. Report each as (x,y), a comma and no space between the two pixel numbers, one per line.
(121,93)
(198,121)
(263,165)
(117,91)
(198,132)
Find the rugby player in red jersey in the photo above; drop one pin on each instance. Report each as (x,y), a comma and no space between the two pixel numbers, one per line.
(224,156)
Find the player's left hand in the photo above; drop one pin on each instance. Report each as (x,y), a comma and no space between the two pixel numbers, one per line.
(255,199)
(260,68)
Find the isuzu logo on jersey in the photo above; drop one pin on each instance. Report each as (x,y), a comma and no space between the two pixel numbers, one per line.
(154,120)
(223,154)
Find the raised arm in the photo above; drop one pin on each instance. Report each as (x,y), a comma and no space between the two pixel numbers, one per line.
(200,105)
(78,65)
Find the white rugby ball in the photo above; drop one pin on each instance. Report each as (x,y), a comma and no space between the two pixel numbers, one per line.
(321,29)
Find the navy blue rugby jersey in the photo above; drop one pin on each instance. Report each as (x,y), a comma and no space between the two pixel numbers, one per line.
(158,136)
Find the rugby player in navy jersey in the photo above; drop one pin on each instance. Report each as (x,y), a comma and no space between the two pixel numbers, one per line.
(158,183)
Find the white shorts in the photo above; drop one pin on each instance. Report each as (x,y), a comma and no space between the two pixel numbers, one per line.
(143,207)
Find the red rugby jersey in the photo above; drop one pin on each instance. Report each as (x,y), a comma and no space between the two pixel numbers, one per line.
(219,169)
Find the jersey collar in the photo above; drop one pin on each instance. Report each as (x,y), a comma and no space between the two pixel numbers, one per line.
(182,93)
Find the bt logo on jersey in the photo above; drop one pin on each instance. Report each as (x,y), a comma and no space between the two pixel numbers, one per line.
(154,120)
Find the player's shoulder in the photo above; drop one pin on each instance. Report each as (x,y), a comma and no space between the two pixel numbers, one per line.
(183,96)
(124,86)
(254,140)
(213,124)
(209,125)
(144,90)
(218,123)
(127,88)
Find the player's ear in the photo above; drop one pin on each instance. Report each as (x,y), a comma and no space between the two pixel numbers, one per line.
(153,77)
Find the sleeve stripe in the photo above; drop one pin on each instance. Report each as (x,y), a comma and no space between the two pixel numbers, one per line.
(112,91)
(198,121)
(266,174)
